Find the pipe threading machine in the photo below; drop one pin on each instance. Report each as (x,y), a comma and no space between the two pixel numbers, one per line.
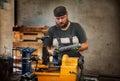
(65,69)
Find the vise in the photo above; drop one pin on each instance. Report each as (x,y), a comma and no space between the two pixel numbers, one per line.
(26,58)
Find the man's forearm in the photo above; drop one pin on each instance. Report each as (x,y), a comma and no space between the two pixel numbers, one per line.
(50,51)
(84,46)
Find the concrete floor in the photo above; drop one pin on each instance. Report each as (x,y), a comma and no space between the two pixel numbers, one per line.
(86,78)
(108,79)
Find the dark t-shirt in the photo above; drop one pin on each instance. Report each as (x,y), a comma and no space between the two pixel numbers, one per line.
(75,30)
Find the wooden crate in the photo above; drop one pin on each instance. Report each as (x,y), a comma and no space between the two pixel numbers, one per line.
(26,37)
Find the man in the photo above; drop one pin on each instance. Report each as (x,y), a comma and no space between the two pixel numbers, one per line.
(65,33)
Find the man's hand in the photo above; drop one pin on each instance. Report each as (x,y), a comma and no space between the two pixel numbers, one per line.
(50,51)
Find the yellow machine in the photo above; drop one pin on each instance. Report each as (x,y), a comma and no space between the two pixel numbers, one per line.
(66,72)
(65,69)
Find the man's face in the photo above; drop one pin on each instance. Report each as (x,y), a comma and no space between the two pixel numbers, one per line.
(62,21)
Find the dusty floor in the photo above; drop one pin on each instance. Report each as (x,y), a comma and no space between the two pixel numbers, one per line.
(17,78)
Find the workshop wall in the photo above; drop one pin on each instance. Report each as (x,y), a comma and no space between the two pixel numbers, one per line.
(0,30)
(6,24)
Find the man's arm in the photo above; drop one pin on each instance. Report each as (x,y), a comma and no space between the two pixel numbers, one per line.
(84,46)
(50,51)
(81,34)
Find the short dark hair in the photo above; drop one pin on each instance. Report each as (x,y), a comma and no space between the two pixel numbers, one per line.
(59,11)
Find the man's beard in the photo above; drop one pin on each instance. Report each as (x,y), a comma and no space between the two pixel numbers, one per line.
(64,26)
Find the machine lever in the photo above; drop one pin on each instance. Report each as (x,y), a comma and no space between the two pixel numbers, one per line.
(72,72)
(67,48)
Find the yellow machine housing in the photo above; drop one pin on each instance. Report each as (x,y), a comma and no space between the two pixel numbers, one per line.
(67,72)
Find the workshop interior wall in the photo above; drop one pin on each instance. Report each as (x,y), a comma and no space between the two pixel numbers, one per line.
(99,18)
(6,24)
(0,30)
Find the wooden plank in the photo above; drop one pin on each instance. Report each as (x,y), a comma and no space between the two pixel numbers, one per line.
(31,29)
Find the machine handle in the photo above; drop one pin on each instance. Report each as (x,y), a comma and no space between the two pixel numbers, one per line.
(67,48)
(42,38)
(72,72)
